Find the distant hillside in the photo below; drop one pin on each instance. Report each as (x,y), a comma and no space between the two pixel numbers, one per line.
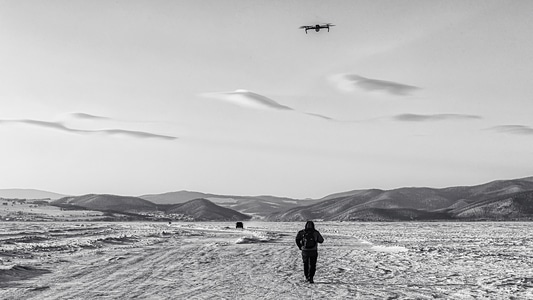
(108,203)
(28,194)
(502,199)
(397,214)
(514,206)
(496,200)
(494,187)
(175,197)
(254,205)
(197,209)
(205,210)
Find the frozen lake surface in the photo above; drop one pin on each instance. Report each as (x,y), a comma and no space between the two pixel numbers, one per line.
(489,260)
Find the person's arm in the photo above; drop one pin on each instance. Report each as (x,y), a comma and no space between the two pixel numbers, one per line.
(299,240)
(320,239)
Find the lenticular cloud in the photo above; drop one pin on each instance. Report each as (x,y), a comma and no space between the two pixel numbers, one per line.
(435,117)
(60,126)
(352,82)
(248,99)
(513,129)
(85,116)
(253,100)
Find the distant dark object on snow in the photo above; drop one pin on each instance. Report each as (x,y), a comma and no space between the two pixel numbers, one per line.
(239,225)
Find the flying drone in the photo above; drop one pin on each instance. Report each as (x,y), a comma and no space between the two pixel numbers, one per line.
(317,27)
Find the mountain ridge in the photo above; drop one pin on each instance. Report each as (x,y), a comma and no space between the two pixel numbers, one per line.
(196,209)
(33,194)
(204,210)
(499,199)
(259,206)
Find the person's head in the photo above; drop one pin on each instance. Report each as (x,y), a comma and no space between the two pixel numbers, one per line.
(309,225)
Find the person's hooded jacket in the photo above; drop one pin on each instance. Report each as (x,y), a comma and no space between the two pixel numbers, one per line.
(309,226)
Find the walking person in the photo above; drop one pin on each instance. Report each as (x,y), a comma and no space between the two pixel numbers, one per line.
(307,241)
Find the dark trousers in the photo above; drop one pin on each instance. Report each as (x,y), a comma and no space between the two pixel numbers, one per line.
(309,259)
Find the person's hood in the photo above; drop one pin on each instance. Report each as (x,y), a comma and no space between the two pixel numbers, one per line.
(309,225)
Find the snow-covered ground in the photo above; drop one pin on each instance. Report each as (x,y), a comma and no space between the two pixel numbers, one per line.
(57,260)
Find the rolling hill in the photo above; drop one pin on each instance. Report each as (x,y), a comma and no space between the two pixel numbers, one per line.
(108,203)
(512,206)
(205,210)
(497,200)
(197,209)
(175,197)
(502,199)
(28,194)
(259,206)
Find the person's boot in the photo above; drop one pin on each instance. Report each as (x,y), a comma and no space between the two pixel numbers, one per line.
(311,280)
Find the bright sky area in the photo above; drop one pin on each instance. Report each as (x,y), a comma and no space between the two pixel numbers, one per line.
(232,97)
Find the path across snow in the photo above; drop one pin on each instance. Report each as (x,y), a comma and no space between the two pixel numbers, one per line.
(214,261)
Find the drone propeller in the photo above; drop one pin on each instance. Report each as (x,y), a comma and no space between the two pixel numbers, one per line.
(329,24)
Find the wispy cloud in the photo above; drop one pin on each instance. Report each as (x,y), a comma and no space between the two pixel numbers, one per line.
(253,100)
(133,133)
(321,116)
(80,116)
(351,82)
(87,116)
(62,127)
(513,129)
(434,117)
(248,99)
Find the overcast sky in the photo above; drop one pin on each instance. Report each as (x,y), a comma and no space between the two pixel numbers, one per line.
(231,97)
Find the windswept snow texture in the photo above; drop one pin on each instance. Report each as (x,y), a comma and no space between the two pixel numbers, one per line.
(216,261)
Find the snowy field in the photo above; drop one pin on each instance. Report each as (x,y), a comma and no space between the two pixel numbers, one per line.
(57,260)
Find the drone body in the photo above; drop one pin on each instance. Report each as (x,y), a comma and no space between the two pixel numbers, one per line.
(316,27)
